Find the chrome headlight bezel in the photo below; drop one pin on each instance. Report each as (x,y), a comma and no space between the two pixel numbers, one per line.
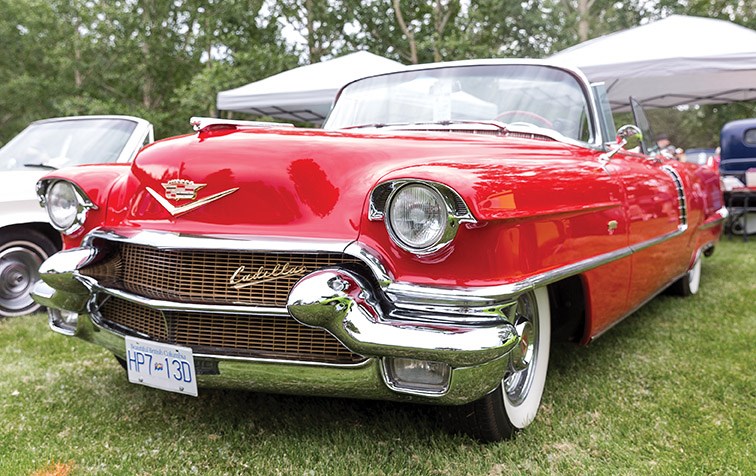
(453,206)
(82,203)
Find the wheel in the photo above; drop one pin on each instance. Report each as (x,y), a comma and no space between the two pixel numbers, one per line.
(688,285)
(21,253)
(514,403)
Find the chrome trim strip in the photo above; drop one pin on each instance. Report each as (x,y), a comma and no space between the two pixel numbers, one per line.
(723,214)
(414,294)
(659,239)
(162,305)
(168,240)
(198,123)
(282,362)
(467,315)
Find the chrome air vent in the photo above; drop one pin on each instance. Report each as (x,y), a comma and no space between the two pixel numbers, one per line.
(682,202)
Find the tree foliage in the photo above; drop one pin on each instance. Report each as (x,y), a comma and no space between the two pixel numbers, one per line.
(166,61)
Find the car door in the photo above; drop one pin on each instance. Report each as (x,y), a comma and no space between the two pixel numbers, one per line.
(656,215)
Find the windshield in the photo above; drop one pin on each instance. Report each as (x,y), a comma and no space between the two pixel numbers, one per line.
(62,143)
(525,94)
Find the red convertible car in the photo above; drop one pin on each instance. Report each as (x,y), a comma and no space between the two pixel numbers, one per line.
(448,223)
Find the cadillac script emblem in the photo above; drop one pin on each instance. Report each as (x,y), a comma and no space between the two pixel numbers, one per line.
(243,278)
(180,189)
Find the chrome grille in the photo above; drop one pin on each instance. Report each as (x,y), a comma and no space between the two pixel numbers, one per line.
(203,276)
(260,336)
(140,320)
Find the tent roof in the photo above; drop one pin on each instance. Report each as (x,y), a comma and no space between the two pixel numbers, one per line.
(305,93)
(675,61)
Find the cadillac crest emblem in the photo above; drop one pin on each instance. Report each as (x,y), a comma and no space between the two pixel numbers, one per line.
(180,189)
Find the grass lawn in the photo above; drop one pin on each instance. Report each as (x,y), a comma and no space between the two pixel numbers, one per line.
(671,390)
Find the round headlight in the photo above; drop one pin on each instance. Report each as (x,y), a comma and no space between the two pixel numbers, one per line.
(417,217)
(62,205)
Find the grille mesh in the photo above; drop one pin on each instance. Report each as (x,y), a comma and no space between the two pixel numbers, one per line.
(203,276)
(269,336)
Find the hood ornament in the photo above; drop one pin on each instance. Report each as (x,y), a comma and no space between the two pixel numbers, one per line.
(180,189)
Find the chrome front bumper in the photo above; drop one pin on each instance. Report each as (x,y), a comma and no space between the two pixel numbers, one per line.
(474,341)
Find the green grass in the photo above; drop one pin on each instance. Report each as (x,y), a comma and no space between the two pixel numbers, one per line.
(671,390)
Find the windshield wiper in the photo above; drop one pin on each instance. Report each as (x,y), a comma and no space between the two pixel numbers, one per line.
(493,123)
(445,123)
(41,166)
(377,125)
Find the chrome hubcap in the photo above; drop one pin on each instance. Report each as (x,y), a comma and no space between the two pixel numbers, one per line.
(524,355)
(19,270)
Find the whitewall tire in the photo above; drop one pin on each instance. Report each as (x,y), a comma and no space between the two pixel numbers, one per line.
(513,405)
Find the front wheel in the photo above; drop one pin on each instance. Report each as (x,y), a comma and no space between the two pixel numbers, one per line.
(514,403)
(21,253)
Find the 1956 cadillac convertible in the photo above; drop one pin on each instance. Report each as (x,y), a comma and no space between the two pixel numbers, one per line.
(448,223)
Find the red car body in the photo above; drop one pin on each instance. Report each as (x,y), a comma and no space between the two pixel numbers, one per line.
(603,229)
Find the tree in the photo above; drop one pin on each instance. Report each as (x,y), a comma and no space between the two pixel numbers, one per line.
(240,45)
(409,31)
(321,23)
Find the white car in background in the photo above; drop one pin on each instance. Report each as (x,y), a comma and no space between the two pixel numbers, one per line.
(26,236)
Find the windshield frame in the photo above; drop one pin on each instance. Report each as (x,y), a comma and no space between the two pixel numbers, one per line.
(597,139)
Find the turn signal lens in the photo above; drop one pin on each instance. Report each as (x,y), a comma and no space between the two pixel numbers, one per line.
(417,376)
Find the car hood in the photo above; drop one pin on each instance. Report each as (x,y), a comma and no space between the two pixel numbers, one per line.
(288,182)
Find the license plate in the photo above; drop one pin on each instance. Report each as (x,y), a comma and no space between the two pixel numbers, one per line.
(163,366)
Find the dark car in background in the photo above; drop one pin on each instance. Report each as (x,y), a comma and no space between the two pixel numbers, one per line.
(738,161)
(738,142)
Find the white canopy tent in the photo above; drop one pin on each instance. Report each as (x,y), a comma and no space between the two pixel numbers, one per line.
(305,93)
(675,61)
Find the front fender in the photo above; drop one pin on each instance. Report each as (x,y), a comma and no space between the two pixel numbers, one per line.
(96,181)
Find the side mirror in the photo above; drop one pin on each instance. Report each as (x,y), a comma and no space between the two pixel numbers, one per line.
(628,132)
(626,135)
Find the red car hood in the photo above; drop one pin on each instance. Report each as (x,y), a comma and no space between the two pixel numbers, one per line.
(286,182)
